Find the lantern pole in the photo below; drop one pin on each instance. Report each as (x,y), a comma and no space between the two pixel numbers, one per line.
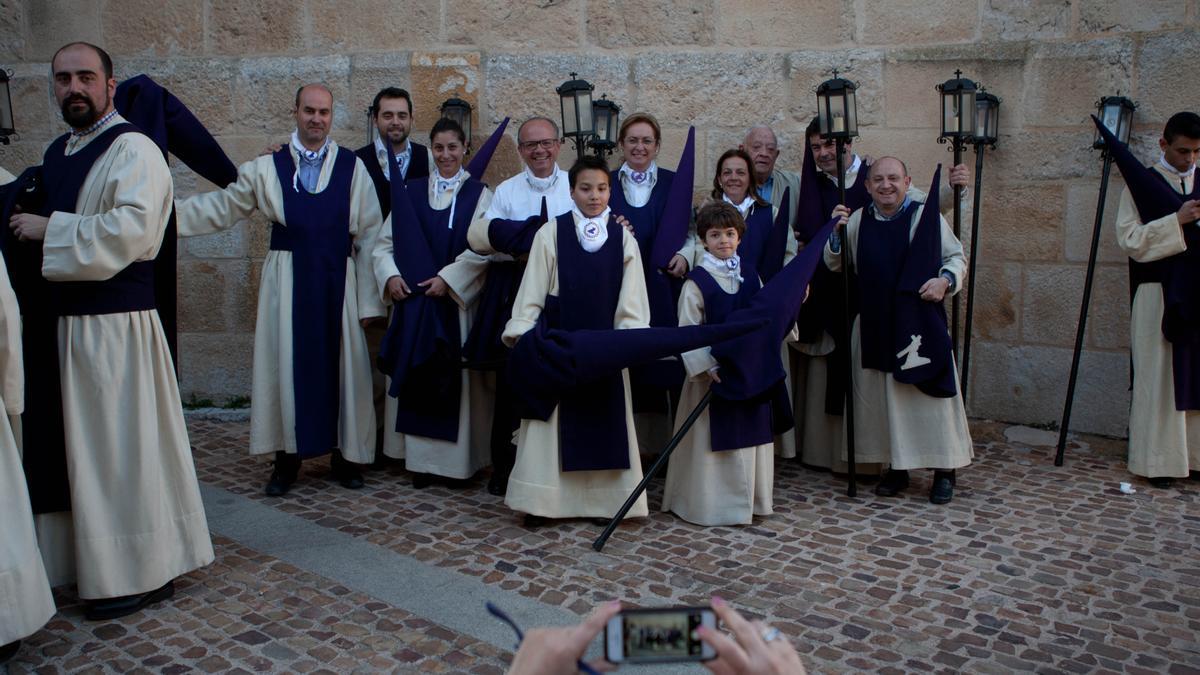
(1106,154)
(984,137)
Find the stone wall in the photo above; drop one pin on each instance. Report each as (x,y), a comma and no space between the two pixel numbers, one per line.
(722,65)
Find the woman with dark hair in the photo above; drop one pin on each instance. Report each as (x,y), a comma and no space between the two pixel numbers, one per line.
(438,413)
(639,193)
(734,182)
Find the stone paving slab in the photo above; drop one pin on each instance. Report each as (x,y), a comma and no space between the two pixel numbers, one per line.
(1031,568)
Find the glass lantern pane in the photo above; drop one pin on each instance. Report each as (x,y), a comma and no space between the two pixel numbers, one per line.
(569,116)
(981,118)
(6,116)
(837,109)
(949,114)
(851,113)
(966,102)
(1112,119)
(823,114)
(585,112)
(1125,124)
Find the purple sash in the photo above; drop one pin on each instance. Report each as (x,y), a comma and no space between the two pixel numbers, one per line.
(592,434)
(318,235)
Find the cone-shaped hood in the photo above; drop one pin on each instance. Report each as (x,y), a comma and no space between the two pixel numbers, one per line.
(483,157)
(677,216)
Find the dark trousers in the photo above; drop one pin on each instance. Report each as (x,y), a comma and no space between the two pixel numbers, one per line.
(505,422)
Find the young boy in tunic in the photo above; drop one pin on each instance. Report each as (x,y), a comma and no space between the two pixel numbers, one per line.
(584,272)
(723,469)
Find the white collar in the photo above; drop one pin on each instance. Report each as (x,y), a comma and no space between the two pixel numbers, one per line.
(542,184)
(854,168)
(381,148)
(1162,162)
(591,232)
(730,267)
(310,155)
(744,207)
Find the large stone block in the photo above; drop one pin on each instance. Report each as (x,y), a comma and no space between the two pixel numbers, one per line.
(1021,222)
(506,161)
(36,115)
(154,27)
(12,30)
(907,22)
(808,69)
(732,90)
(231,243)
(1104,16)
(765,23)
(1164,63)
(1028,384)
(384,25)
(368,74)
(18,155)
(1108,315)
(54,23)
(265,91)
(997,313)
(264,27)
(437,76)
(210,290)
(1081,219)
(205,85)
(1026,19)
(522,85)
(1050,310)
(1031,154)
(911,78)
(1064,79)
(615,24)
(545,24)
(215,366)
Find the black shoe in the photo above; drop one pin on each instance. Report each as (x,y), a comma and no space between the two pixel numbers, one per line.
(894,481)
(497,488)
(942,490)
(457,483)
(1195,475)
(346,473)
(286,468)
(423,480)
(1163,482)
(115,608)
(600,522)
(532,522)
(8,651)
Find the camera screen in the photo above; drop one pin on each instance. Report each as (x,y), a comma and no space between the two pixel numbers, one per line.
(662,635)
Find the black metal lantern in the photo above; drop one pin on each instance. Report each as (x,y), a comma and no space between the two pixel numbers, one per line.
(7,128)
(958,107)
(605,124)
(460,111)
(575,97)
(837,110)
(987,118)
(1116,114)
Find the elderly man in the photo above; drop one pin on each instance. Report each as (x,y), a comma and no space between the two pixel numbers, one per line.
(517,198)
(106,450)
(763,148)
(911,422)
(312,375)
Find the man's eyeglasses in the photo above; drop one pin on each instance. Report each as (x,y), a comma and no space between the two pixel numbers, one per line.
(545,143)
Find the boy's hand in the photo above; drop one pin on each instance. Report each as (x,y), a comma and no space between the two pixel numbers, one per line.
(678,267)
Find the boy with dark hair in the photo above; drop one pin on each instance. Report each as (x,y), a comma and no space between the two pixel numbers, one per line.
(584,272)
(723,471)
(1156,227)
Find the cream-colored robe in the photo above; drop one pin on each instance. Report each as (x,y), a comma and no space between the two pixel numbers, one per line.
(1163,441)
(704,487)
(896,423)
(536,485)
(273,413)
(137,520)
(27,603)
(465,277)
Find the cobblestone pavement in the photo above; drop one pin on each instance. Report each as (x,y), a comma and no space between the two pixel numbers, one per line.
(1030,568)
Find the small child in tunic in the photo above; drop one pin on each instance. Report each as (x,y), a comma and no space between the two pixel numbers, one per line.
(584,272)
(722,472)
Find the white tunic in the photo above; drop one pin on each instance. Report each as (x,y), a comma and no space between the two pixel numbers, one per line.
(137,520)
(728,487)
(896,423)
(516,199)
(273,415)
(465,277)
(536,485)
(27,604)
(1163,441)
